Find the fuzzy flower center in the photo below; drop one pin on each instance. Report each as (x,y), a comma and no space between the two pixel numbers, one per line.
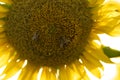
(49,32)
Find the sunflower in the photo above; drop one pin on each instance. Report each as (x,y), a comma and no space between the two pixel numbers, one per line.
(55,39)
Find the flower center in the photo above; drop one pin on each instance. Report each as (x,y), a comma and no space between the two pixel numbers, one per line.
(49,32)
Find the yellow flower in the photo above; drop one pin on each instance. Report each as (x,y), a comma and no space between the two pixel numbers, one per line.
(55,40)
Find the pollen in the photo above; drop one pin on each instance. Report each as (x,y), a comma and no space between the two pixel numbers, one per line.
(49,32)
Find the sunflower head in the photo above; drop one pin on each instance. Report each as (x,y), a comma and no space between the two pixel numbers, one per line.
(48,33)
(54,39)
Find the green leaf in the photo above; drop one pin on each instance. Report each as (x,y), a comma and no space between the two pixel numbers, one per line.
(111,52)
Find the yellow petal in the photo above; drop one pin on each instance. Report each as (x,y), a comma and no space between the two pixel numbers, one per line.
(69,73)
(107,25)
(2,15)
(6,1)
(94,11)
(117,76)
(2,22)
(28,73)
(93,60)
(4,50)
(34,75)
(48,74)
(115,31)
(95,50)
(2,9)
(1,31)
(95,3)
(2,36)
(91,67)
(4,60)
(108,17)
(79,70)
(12,68)
(2,45)
(5,55)
(93,36)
